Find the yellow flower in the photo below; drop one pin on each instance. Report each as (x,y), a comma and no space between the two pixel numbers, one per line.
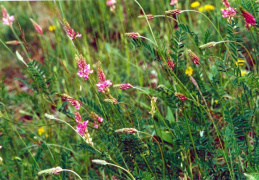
(41,130)
(189,71)
(209,7)
(243,73)
(240,62)
(52,28)
(195,4)
(201,9)
(216,101)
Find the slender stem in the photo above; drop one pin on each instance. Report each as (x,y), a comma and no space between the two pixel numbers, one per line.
(148,40)
(122,169)
(167,17)
(68,170)
(147,21)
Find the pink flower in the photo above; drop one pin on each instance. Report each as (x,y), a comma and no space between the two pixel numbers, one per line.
(96,125)
(84,69)
(173,2)
(7,20)
(170,63)
(249,18)
(36,26)
(101,74)
(193,57)
(78,117)
(181,96)
(103,85)
(123,86)
(133,35)
(225,3)
(99,119)
(81,128)
(110,2)
(70,32)
(74,103)
(228,13)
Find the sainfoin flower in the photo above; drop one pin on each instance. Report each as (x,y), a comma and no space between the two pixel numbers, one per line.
(173,2)
(82,127)
(111,3)
(70,32)
(74,103)
(78,117)
(7,20)
(123,86)
(36,26)
(103,85)
(181,96)
(193,57)
(229,12)
(84,69)
(225,3)
(170,63)
(249,18)
(133,35)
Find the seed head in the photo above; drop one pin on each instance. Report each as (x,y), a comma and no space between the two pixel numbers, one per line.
(55,170)
(99,161)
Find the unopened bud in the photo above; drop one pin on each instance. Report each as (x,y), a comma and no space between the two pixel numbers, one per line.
(99,161)
(149,16)
(208,45)
(55,170)
(127,130)
(173,12)
(133,35)
(37,27)
(14,42)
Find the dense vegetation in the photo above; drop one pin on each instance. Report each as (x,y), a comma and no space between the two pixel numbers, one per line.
(129,90)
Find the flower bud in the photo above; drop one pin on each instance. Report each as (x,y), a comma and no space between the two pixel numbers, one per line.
(37,27)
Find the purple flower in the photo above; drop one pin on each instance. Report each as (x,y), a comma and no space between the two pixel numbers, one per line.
(228,13)
(103,85)
(7,20)
(249,18)
(84,69)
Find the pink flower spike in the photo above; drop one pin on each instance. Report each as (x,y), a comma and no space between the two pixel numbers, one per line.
(81,128)
(100,119)
(74,103)
(70,32)
(249,19)
(103,85)
(123,86)
(7,20)
(36,26)
(84,69)
(101,74)
(225,3)
(173,2)
(78,117)
(170,63)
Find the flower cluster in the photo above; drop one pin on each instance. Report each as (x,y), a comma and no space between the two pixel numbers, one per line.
(229,12)
(97,119)
(84,69)
(181,96)
(173,2)
(74,102)
(70,32)
(7,20)
(193,57)
(103,84)
(123,86)
(170,63)
(249,19)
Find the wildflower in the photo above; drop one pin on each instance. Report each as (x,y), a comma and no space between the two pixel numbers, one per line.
(36,26)
(104,85)
(216,101)
(52,28)
(173,12)
(99,161)
(7,20)
(173,2)
(201,8)
(123,86)
(149,16)
(249,18)
(95,125)
(70,32)
(41,130)
(225,3)
(195,4)
(55,170)
(181,97)
(78,117)
(153,106)
(193,57)
(81,128)
(209,7)
(84,69)
(243,73)
(14,42)
(127,130)
(208,45)
(74,103)
(101,74)
(240,62)
(189,71)
(228,13)
(170,63)
(1,160)
(111,3)
(133,35)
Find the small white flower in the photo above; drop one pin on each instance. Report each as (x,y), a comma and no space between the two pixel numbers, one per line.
(201,133)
